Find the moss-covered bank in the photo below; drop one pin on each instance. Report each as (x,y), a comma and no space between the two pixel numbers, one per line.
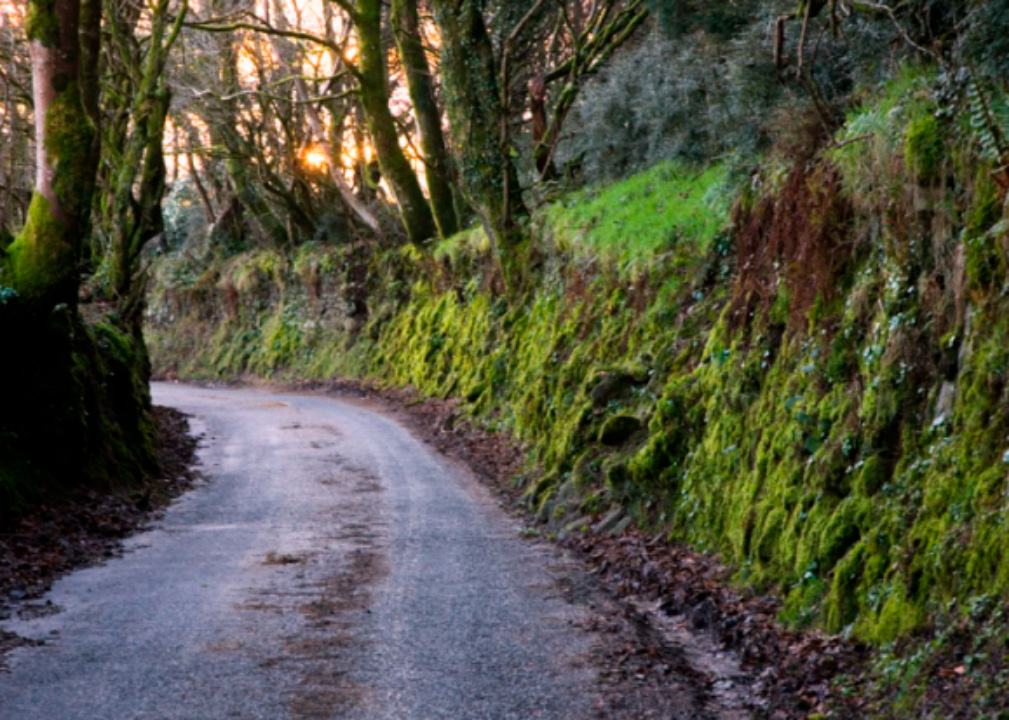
(76,405)
(816,391)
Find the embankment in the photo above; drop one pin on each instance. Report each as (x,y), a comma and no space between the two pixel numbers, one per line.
(801,368)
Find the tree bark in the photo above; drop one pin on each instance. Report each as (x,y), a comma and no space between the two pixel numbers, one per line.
(314,119)
(374,92)
(44,260)
(476,116)
(319,131)
(406,27)
(136,210)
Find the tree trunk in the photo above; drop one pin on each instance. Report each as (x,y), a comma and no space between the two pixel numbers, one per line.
(44,260)
(413,207)
(77,409)
(136,210)
(406,27)
(321,133)
(476,116)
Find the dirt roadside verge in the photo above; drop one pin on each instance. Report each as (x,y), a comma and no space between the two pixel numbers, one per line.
(88,527)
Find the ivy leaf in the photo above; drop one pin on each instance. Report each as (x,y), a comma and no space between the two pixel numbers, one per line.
(7,294)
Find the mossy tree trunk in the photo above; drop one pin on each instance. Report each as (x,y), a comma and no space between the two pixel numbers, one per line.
(374,94)
(406,28)
(136,206)
(91,51)
(60,419)
(478,121)
(44,261)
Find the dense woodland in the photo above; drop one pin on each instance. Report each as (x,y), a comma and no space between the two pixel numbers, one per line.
(736,269)
(274,125)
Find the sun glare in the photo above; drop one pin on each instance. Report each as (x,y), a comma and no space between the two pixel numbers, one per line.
(315,158)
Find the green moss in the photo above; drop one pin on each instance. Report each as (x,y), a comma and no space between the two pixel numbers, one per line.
(594,503)
(612,386)
(924,146)
(617,477)
(42,22)
(641,216)
(782,306)
(458,251)
(311,263)
(769,534)
(871,476)
(68,139)
(585,474)
(256,270)
(986,262)
(843,530)
(39,259)
(539,490)
(843,601)
(283,342)
(897,618)
(843,361)
(43,261)
(876,133)
(618,429)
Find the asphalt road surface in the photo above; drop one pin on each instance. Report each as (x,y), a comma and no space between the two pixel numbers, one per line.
(332,566)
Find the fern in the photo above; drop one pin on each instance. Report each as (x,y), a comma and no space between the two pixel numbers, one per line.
(989,118)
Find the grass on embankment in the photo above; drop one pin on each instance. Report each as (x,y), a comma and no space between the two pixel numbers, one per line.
(630,222)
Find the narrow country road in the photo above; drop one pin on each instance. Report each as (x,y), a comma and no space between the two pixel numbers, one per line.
(332,566)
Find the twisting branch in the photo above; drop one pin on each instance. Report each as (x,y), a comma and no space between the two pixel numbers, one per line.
(260,25)
(606,30)
(892,13)
(505,82)
(319,131)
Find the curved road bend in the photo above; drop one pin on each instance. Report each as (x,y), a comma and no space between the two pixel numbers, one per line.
(331,567)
